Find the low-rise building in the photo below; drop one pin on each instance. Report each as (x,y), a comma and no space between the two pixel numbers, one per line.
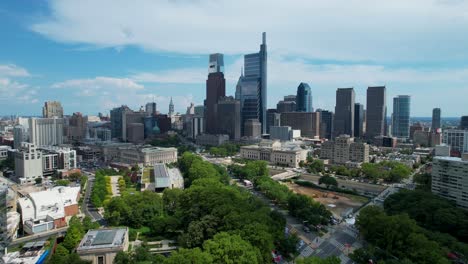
(274,153)
(146,155)
(284,133)
(100,246)
(46,210)
(345,151)
(450,179)
(442,150)
(160,177)
(4,152)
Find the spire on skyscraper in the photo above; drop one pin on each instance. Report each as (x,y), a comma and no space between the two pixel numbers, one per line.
(171,107)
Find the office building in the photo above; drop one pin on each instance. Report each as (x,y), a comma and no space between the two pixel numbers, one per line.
(344,112)
(442,150)
(116,117)
(345,151)
(284,133)
(401,116)
(151,109)
(286,106)
(46,131)
(228,117)
(273,118)
(100,133)
(135,132)
(66,157)
(275,153)
(435,119)
(304,98)
(252,86)
(76,127)
(415,127)
(358,120)
(457,140)
(327,119)
(307,122)
(100,246)
(376,111)
(52,109)
(46,210)
(252,128)
(464,122)
(4,152)
(28,163)
(200,110)
(197,127)
(450,179)
(211,140)
(215,89)
(20,134)
(129,118)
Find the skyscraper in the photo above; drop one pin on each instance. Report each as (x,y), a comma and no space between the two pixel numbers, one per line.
(215,89)
(150,108)
(344,112)
(327,119)
(228,115)
(116,118)
(464,122)
(358,119)
(376,111)
(401,116)
(304,98)
(435,119)
(52,109)
(252,86)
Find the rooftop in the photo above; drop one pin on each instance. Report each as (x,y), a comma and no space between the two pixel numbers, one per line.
(112,238)
(451,159)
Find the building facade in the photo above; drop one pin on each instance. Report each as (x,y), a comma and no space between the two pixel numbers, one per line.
(228,117)
(450,179)
(52,109)
(457,140)
(46,131)
(376,111)
(147,156)
(358,120)
(435,119)
(215,89)
(401,116)
(307,122)
(274,154)
(327,119)
(344,112)
(304,98)
(28,163)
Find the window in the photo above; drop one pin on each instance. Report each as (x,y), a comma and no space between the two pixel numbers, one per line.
(100,260)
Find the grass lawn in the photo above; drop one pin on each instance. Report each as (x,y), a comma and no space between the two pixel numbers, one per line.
(356,198)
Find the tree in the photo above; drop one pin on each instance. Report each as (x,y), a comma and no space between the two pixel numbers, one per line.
(62,182)
(74,234)
(288,245)
(226,248)
(74,176)
(38,180)
(328,181)
(60,256)
(189,256)
(316,166)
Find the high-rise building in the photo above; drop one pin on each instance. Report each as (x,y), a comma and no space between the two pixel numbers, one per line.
(252,128)
(273,118)
(304,98)
(228,114)
(215,89)
(20,134)
(358,120)
(46,131)
(171,108)
(200,110)
(150,108)
(401,116)
(464,122)
(326,123)
(344,112)
(376,111)
(435,119)
(307,122)
(130,117)
(252,86)
(116,118)
(286,106)
(52,109)
(457,140)
(76,127)
(450,179)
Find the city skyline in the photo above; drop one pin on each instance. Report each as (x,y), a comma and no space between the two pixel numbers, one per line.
(46,56)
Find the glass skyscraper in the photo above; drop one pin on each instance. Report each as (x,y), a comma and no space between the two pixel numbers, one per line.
(252,86)
(401,116)
(304,98)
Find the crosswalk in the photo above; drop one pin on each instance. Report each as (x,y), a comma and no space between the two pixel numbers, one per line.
(337,244)
(307,251)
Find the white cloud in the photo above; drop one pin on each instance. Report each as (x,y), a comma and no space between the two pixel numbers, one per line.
(88,85)
(11,70)
(184,75)
(397,30)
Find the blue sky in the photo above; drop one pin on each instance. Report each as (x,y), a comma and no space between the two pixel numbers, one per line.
(95,55)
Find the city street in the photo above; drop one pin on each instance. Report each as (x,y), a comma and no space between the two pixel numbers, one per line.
(87,208)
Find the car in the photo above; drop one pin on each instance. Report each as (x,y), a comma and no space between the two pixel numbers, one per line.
(306,229)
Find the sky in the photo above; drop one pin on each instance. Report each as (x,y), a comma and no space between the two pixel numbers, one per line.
(93,55)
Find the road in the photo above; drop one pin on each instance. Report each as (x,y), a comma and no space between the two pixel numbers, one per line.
(360,187)
(87,208)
